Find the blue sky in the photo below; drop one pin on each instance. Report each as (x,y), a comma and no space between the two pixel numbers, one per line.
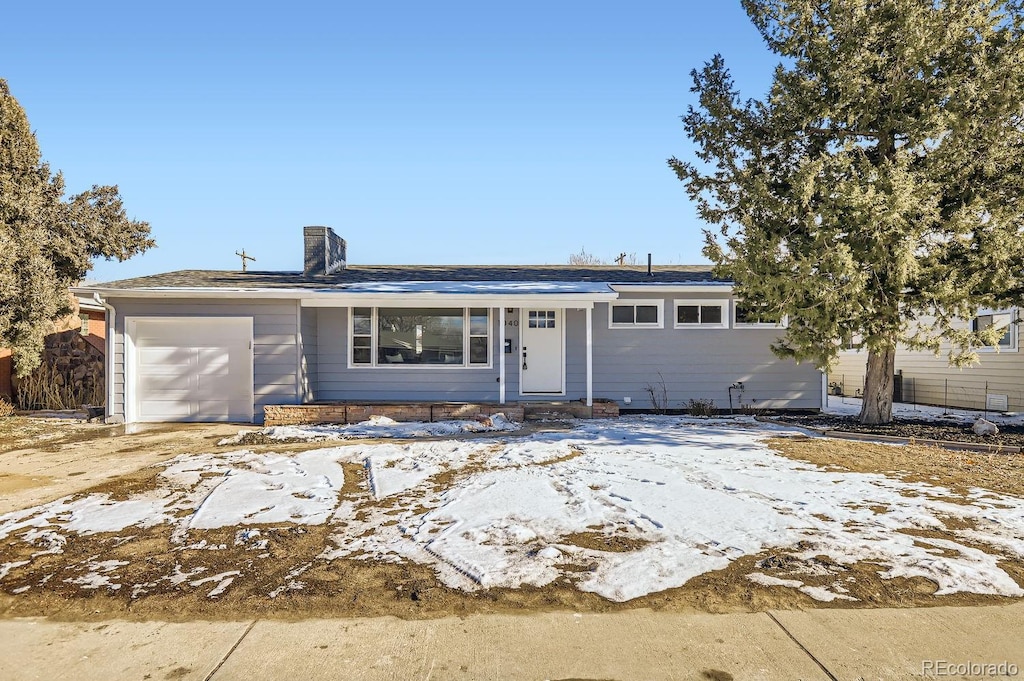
(421,132)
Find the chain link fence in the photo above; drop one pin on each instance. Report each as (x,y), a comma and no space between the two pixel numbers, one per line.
(939,392)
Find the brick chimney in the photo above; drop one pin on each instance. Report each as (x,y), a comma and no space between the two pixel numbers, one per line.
(324,251)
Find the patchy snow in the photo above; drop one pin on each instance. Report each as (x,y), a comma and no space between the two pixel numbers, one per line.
(379,427)
(850,406)
(682,496)
(87,515)
(7,567)
(223,580)
(818,593)
(499,287)
(767,580)
(99,575)
(252,488)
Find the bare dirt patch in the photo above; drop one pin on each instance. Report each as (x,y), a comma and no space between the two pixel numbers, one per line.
(600,541)
(959,471)
(17,432)
(279,570)
(45,459)
(953,430)
(288,579)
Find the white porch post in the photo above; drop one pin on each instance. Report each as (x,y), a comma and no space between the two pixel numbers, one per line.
(590,356)
(501,355)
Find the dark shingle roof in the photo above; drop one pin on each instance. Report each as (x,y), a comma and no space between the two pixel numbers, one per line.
(360,274)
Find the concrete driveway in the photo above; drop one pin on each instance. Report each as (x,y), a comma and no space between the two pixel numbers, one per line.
(70,457)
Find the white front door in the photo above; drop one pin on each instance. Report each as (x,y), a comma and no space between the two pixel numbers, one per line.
(541,346)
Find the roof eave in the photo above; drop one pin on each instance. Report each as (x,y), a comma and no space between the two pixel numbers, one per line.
(695,287)
(330,298)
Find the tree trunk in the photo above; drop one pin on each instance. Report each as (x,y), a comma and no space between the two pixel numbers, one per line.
(877,404)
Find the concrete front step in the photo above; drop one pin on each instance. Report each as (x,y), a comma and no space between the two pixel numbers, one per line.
(540,411)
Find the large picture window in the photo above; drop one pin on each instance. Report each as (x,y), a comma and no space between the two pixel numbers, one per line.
(404,336)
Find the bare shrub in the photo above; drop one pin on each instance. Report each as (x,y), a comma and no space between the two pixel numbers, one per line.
(584,258)
(6,408)
(47,388)
(658,394)
(701,407)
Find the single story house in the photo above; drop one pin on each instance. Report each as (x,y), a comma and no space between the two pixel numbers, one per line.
(224,346)
(995,383)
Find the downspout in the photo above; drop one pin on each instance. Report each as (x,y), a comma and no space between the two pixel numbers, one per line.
(501,355)
(300,383)
(590,357)
(109,360)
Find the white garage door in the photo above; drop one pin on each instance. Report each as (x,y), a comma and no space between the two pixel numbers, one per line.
(195,369)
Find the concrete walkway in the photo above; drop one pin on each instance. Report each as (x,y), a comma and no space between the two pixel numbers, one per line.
(817,644)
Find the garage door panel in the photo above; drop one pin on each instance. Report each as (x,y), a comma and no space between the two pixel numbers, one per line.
(163,358)
(215,410)
(168,408)
(216,358)
(210,375)
(193,370)
(155,384)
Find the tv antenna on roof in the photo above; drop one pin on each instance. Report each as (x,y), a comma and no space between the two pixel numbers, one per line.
(244,257)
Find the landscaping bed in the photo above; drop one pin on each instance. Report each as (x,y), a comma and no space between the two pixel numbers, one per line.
(954,429)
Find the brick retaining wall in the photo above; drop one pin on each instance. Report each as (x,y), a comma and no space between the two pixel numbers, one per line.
(307,414)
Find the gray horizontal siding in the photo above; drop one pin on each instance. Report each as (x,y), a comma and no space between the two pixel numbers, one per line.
(694,364)
(308,322)
(928,378)
(275,334)
(336,381)
(697,364)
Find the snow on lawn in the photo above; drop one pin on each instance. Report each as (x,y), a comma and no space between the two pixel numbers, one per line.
(850,406)
(684,496)
(378,427)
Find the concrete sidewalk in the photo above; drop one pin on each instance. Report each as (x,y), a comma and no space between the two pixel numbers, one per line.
(816,644)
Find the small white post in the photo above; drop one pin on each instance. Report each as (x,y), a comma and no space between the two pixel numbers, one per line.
(590,356)
(501,355)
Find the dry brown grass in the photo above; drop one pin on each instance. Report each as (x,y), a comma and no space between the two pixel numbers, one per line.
(294,554)
(957,470)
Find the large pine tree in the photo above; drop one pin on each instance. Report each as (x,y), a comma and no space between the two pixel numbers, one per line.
(47,240)
(878,189)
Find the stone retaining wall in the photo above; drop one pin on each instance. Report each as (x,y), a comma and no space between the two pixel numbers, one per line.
(306,414)
(71,374)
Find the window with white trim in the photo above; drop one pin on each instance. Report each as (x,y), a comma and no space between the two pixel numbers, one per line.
(362,335)
(1001,319)
(404,336)
(636,314)
(852,342)
(749,316)
(701,314)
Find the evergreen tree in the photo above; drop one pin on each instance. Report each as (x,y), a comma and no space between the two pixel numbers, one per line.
(878,190)
(47,241)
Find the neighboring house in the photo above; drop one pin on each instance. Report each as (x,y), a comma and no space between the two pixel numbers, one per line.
(996,383)
(87,317)
(217,346)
